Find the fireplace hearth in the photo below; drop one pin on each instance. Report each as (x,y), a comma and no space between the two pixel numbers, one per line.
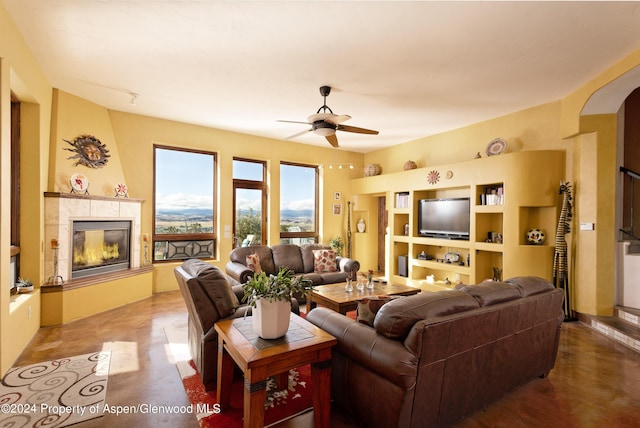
(100,246)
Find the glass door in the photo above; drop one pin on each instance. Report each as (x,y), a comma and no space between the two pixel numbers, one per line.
(248,216)
(249,202)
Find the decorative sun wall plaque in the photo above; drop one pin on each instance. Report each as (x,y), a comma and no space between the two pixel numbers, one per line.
(89,151)
(433,177)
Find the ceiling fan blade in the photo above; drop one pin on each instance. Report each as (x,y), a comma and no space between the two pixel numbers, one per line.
(338,119)
(299,134)
(348,128)
(293,121)
(332,139)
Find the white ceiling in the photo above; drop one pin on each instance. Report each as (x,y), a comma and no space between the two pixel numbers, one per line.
(407,69)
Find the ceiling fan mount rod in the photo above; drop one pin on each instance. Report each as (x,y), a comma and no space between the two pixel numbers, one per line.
(325,91)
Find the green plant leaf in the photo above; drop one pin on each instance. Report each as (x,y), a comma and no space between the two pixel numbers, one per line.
(274,287)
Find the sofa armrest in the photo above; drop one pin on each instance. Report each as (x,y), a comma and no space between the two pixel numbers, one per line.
(238,272)
(346,264)
(359,342)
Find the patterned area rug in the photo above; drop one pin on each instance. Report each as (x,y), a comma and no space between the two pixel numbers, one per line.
(56,393)
(279,405)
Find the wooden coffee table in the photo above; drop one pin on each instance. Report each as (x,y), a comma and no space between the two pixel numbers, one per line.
(259,359)
(334,296)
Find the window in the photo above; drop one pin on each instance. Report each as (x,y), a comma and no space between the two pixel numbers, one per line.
(298,203)
(249,202)
(184,215)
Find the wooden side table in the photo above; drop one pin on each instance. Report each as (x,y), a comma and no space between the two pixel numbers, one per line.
(259,359)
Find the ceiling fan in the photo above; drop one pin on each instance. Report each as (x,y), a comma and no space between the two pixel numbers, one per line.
(326,124)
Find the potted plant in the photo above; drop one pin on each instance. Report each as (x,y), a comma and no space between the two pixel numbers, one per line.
(337,245)
(24,285)
(270,297)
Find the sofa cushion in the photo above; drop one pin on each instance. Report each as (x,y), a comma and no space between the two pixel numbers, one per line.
(324,261)
(307,255)
(369,307)
(239,255)
(395,319)
(289,256)
(215,285)
(253,263)
(492,292)
(531,285)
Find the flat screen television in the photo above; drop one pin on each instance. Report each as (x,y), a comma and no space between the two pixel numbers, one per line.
(444,218)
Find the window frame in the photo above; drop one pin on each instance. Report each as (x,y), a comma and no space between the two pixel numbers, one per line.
(315,233)
(15,187)
(212,236)
(239,183)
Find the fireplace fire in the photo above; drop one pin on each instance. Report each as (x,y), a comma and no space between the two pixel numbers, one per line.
(100,247)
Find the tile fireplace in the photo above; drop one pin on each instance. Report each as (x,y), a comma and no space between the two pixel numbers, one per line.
(96,235)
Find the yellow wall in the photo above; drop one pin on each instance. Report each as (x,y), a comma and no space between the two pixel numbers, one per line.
(20,73)
(72,117)
(536,128)
(63,307)
(595,190)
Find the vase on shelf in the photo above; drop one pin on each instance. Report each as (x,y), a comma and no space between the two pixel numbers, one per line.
(361,226)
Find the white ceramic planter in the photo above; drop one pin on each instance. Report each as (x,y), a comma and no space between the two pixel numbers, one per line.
(271,319)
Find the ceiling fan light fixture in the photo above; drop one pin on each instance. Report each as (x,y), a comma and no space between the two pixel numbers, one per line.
(325,132)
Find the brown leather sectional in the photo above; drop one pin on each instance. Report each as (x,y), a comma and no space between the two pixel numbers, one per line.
(432,359)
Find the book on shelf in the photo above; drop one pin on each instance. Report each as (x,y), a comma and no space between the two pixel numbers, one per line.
(492,196)
(402,200)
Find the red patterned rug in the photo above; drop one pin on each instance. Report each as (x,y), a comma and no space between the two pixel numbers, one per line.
(280,404)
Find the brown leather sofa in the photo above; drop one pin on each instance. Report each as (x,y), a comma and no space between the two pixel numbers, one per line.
(432,359)
(209,298)
(298,258)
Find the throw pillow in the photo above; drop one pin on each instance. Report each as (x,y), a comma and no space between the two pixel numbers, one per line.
(253,263)
(369,307)
(324,261)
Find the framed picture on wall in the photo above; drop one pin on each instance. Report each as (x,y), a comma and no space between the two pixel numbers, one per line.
(337,196)
(337,209)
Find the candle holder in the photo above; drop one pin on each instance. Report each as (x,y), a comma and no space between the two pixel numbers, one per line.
(145,238)
(55,279)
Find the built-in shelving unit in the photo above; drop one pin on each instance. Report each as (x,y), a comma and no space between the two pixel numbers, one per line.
(509,194)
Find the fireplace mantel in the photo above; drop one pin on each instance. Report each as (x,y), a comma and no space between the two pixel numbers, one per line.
(90,197)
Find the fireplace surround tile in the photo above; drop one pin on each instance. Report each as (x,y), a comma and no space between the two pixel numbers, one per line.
(107,209)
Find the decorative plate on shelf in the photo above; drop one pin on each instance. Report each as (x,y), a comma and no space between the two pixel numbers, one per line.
(451,257)
(79,183)
(535,236)
(496,146)
(121,190)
